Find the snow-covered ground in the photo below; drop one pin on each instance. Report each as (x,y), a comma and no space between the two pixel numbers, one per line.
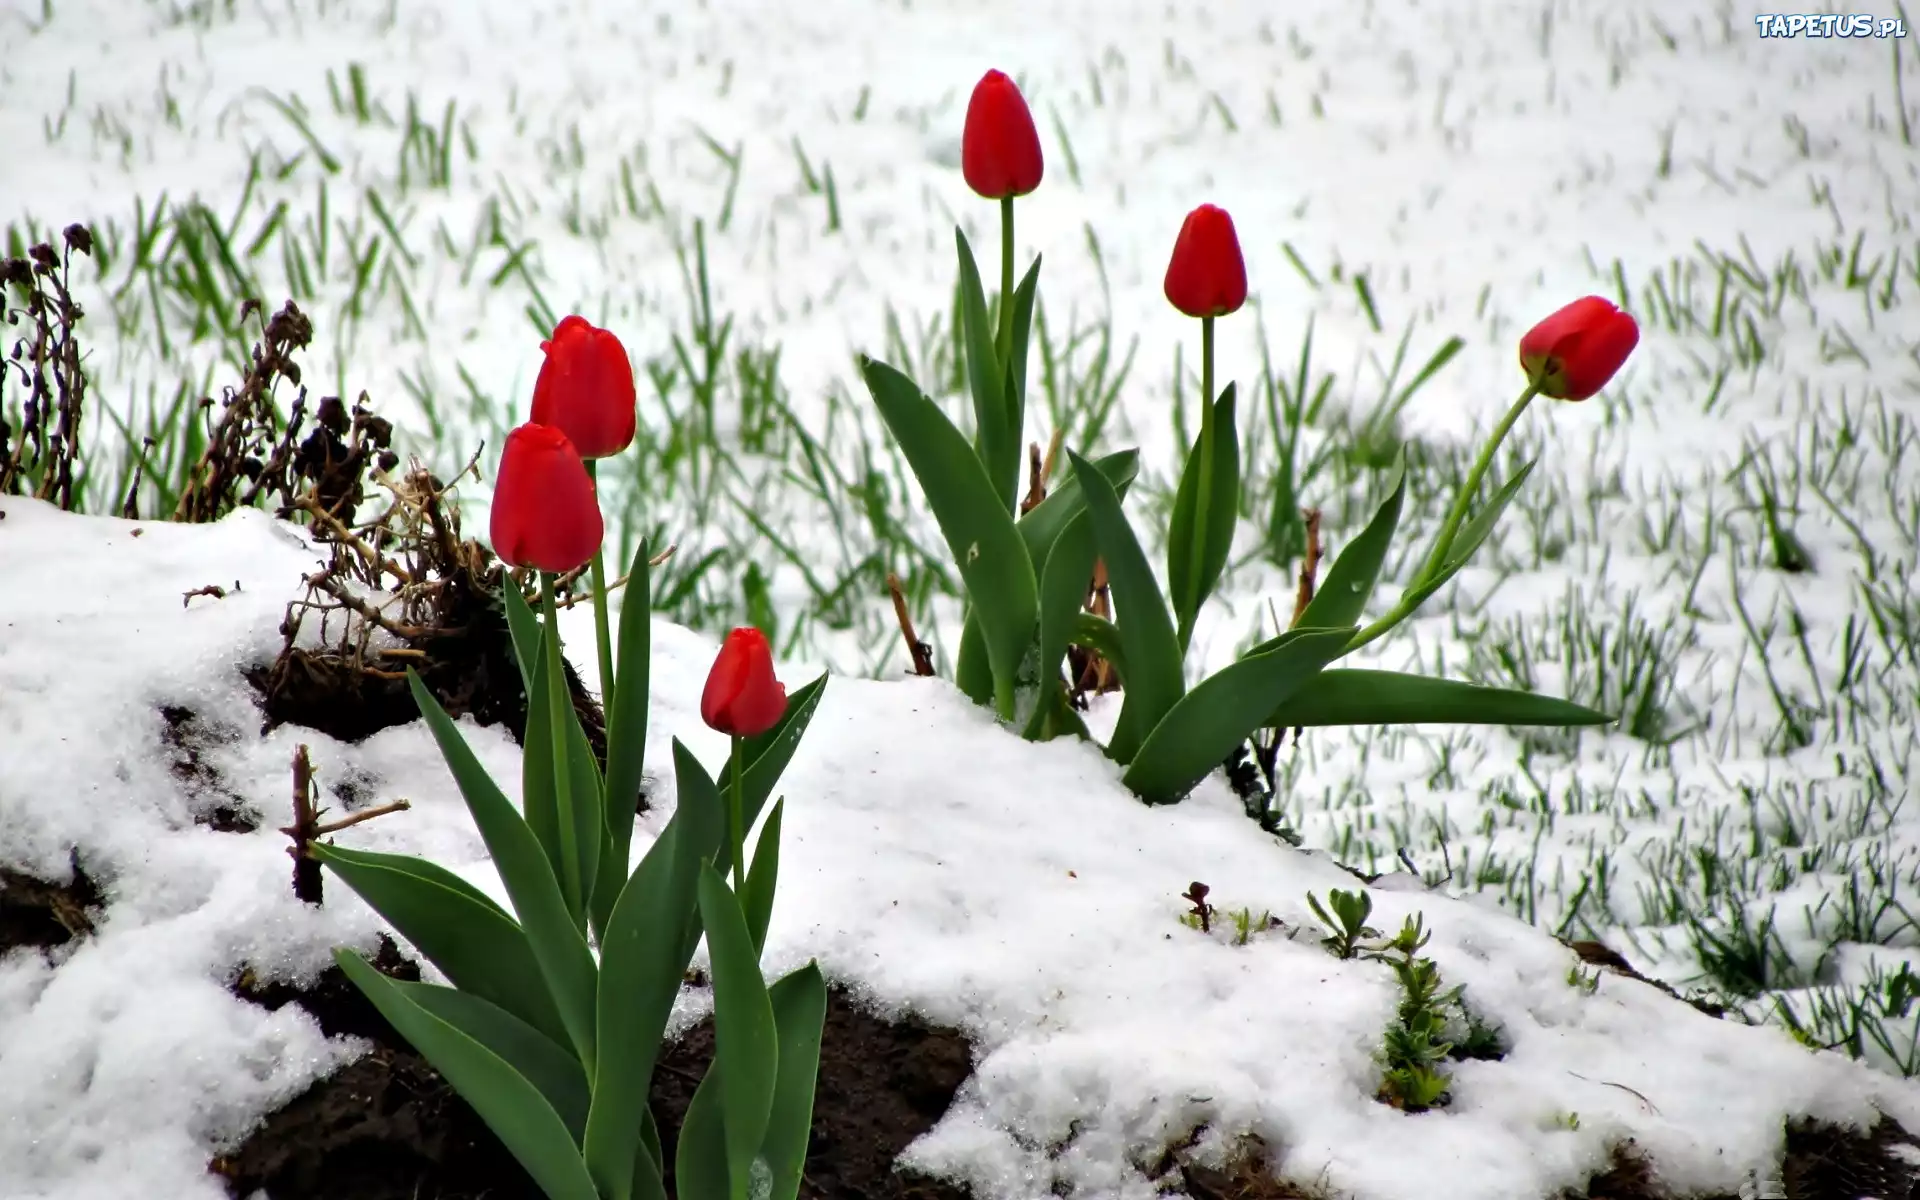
(432,182)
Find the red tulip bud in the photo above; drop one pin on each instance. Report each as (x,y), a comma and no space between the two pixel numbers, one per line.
(742,698)
(585,388)
(1207,277)
(1573,353)
(545,512)
(1000,150)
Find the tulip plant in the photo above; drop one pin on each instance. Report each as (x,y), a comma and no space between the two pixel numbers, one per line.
(554,1046)
(1026,574)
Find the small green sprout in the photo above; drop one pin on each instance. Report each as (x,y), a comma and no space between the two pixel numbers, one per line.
(1348,922)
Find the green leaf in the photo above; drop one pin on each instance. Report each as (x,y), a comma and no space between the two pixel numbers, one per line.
(558,945)
(1043,525)
(1014,386)
(456,926)
(799,1003)
(997,444)
(767,757)
(1063,595)
(700,1158)
(579,804)
(626,733)
(745,1047)
(510,1105)
(649,1165)
(539,800)
(1097,634)
(532,1055)
(762,877)
(1343,596)
(698,795)
(973,670)
(1192,573)
(524,628)
(643,959)
(1205,726)
(1344,696)
(979,527)
(1469,539)
(1153,677)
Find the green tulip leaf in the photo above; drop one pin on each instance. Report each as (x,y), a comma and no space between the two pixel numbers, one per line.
(1043,525)
(1063,595)
(700,1158)
(979,528)
(643,959)
(746,1048)
(511,1105)
(1154,676)
(1097,634)
(703,801)
(455,926)
(1345,696)
(557,942)
(762,877)
(767,756)
(524,628)
(626,734)
(1196,557)
(553,1072)
(973,669)
(1343,596)
(1469,540)
(539,801)
(1201,730)
(799,1002)
(996,441)
(1014,387)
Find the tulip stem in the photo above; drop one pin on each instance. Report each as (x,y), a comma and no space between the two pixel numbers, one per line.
(1436,560)
(1004,343)
(602,627)
(558,701)
(736,810)
(1203,486)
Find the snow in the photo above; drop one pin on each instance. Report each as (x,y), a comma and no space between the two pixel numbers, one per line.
(1481,161)
(929,859)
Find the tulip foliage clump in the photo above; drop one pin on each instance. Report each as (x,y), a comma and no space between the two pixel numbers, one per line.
(553,1045)
(551,1022)
(1026,571)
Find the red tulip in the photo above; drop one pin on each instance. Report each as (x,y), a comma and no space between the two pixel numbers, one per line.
(1573,353)
(742,698)
(1000,150)
(1207,277)
(545,512)
(585,388)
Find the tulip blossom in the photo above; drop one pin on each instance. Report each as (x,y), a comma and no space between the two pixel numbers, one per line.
(742,697)
(1207,276)
(1573,353)
(1000,148)
(545,511)
(585,388)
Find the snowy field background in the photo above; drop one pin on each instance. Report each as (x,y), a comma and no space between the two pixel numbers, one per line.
(1722,547)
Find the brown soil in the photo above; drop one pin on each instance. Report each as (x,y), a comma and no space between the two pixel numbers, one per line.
(43,915)
(386,1127)
(187,738)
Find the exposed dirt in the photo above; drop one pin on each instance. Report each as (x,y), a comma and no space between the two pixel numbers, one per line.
(42,915)
(882,1084)
(387,1127)
(188,737)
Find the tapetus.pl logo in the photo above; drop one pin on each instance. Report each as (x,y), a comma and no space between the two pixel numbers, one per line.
(1829,25)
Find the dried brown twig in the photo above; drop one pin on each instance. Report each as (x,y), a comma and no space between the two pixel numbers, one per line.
(44,449)
(921,653)
(307,828)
